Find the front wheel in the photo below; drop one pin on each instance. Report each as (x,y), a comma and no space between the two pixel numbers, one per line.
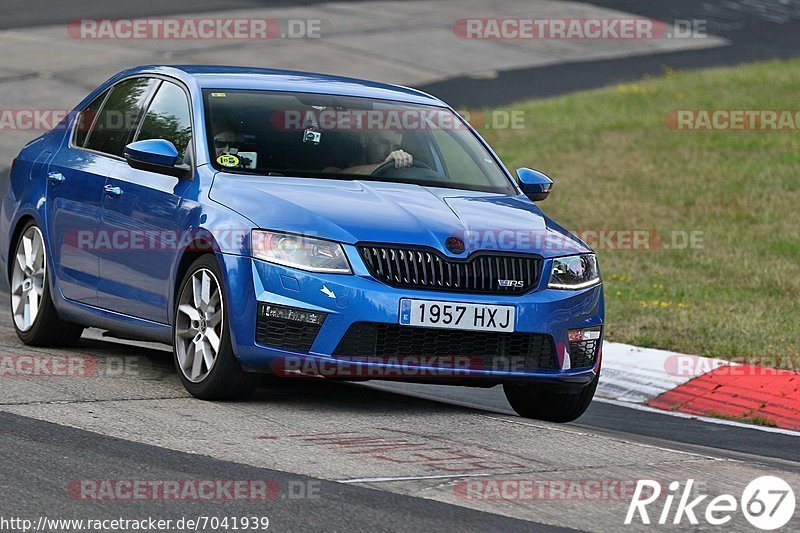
(531,400)
(202,347)
(35,318)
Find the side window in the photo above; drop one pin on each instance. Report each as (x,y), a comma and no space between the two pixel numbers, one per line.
(168,118)
(119,116)
(87,118)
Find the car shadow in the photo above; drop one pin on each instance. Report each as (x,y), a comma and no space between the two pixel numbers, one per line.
(300,392)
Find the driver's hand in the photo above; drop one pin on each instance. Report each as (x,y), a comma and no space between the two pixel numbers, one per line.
(401,159)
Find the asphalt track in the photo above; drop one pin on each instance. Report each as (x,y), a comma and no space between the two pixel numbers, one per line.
(55,455)
(31,13)
(383,456)
(758,30)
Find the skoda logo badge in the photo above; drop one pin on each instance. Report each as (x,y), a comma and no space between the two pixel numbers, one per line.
(455,245)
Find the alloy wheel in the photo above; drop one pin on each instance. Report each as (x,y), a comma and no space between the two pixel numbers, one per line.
(28,278)
(199,325)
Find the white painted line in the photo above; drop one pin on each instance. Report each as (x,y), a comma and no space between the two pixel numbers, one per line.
(633,374)
(105,336)
(414,478)
(710,420)
(574,431)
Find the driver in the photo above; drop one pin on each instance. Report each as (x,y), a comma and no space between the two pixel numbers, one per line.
(224,141)
(377,149)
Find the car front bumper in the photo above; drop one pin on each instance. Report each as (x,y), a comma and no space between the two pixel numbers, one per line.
(350,299)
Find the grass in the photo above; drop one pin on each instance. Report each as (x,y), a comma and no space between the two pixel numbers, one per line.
(747,418)
(617,166)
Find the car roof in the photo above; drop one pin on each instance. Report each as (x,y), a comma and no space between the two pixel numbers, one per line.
(234,77)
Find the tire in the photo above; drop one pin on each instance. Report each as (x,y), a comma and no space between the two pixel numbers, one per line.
(33,314)
(202,325)
(541,402)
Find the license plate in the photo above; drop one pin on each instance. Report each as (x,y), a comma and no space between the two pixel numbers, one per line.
(452,315)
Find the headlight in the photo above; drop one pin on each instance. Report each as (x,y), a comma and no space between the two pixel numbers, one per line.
(574,272)
(305,253)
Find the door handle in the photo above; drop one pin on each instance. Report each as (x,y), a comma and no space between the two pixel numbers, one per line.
(112,191)
(56,178)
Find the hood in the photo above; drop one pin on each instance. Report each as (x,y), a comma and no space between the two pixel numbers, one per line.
(382,212)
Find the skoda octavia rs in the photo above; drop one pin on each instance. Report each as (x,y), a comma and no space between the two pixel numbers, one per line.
(298,224)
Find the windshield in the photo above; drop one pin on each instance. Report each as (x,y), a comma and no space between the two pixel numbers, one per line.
(299,134)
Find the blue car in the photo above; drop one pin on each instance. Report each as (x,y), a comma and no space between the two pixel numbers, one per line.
(301,225)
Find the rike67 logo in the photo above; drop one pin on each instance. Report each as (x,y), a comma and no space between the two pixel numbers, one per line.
(767,503)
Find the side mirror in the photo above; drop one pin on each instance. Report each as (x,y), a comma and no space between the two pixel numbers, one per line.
(536,185)
(155,155)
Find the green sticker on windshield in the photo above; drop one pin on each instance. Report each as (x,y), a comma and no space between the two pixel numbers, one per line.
(219,95)
(228,160)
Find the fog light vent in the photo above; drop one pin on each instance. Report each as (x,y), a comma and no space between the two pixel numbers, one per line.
(583,346)
(287,327)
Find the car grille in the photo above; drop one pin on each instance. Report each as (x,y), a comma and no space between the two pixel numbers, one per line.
(285,333)
(581,353)
(485,350)
(428,269)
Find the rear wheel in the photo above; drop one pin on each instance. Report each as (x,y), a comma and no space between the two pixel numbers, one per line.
(202,347)
(531,400)
(35,318)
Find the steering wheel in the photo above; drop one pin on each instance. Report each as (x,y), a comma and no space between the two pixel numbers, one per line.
(384,169)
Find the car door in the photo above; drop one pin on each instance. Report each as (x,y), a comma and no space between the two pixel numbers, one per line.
(141,214)
(76,176)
